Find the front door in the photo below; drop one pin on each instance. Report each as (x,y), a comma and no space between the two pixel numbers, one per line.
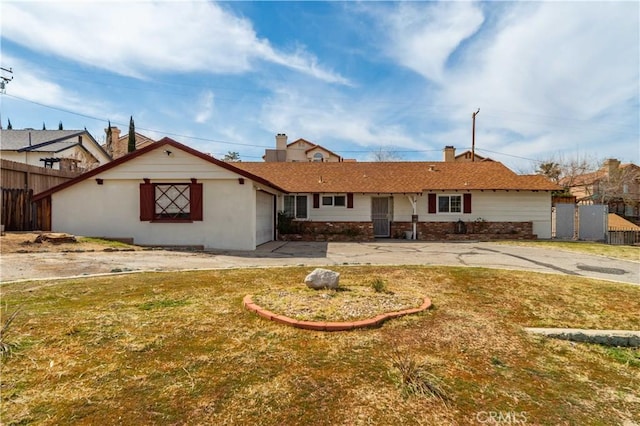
(380,216)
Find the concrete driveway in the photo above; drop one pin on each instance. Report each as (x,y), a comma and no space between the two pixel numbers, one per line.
(21,266)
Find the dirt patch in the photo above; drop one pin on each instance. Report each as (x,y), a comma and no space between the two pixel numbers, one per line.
(27,242)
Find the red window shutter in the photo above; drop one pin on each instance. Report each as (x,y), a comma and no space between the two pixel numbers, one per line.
(350,200)
(432,200)
(466,203)
(196,201)
(147,201)
(316,201)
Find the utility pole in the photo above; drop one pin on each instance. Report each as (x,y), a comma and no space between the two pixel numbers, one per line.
(4,80)
(473,135)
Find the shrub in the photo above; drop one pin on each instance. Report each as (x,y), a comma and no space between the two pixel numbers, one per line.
(379,286)
(286,225)
(414,379)
(6,347)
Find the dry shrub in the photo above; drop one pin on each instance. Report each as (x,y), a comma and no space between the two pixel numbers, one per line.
(6,347)
(414,377)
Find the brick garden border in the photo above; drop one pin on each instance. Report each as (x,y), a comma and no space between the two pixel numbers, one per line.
(247,302)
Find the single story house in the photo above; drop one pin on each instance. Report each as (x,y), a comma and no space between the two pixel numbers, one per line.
(170,194)
(69,150)
(429,200)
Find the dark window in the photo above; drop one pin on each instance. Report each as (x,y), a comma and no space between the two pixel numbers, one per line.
(334,200)
(295,206)
(449,203)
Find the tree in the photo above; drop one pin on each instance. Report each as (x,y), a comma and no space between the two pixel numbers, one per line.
(131,146)
(551,170)
(43,126)
(109,143)
(232,157)
(565,172)
(9,126)
(386,154)
(60,125)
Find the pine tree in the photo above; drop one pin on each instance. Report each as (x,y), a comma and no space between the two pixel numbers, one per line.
(109,140)
(9,126)
(132,136)
(60,125)
(43,126)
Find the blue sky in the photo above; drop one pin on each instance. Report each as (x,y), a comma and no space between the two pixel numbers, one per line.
(553,80)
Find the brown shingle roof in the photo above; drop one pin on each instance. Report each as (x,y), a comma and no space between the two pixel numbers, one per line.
(394,177)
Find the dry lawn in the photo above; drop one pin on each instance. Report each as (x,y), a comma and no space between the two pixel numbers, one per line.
(176,348)
(24,242)
(599,249)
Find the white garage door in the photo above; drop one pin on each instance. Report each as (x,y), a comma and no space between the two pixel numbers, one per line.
(264,217)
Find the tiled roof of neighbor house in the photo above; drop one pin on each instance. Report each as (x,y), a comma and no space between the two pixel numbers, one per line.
(14,140)
(617,222)
(394,177)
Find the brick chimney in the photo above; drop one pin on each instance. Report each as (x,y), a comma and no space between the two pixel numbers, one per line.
(449,154)
(611,167)
(118,148)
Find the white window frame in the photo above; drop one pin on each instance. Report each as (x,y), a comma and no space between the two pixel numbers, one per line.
(296,199)
(449,196)
(332,201)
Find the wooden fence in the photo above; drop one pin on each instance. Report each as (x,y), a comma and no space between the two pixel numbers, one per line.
(17,209)
(19,182)
(622,236)
(23,176)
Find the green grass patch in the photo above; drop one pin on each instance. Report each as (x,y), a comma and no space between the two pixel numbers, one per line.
(626,356)
(104,242)
(179,348)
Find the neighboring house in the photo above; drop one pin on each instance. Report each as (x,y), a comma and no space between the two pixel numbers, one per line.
(300,150)
(166,194)
(118,146)
(69,150)
(467,156)
(431,200)
(615,184)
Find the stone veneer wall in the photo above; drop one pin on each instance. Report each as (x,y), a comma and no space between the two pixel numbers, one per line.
(427,231)
(436,231)
(331,231)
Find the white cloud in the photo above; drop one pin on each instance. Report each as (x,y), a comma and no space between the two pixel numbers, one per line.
(546,75)
(131,38)
(206,106)
(424,36)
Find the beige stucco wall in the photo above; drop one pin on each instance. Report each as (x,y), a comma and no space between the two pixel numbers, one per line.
(297,151)
(112,209)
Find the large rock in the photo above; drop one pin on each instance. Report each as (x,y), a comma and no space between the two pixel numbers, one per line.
(322,278)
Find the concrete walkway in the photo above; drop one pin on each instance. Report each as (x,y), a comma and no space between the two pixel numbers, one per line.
(21,266)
